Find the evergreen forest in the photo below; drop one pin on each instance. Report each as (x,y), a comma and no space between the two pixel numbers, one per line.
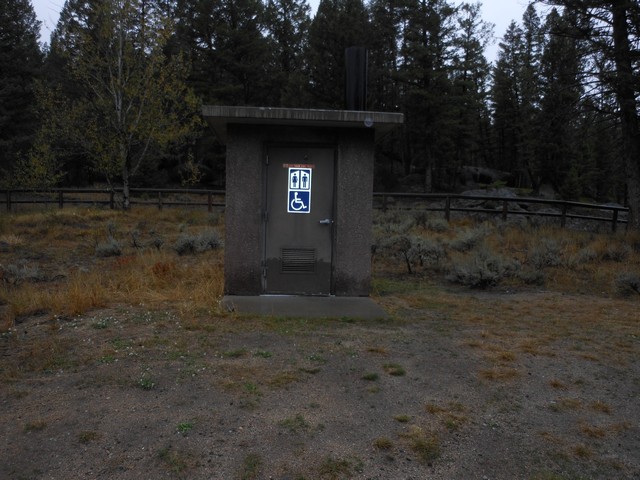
(115,96)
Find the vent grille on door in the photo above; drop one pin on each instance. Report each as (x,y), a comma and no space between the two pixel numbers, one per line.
(298,260)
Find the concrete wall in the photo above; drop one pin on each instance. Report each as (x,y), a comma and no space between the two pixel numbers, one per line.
(244,235)
(354,212)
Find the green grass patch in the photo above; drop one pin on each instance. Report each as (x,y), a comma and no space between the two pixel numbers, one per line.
(394,369)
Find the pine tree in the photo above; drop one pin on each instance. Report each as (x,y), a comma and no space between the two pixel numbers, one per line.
(20,67)
(516,98)
(232,60)
(337,25)
(559,116)
(471,75)
(288,24)
(425,76)
(610,28)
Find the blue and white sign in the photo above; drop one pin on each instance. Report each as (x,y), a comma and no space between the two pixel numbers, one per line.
(299,191)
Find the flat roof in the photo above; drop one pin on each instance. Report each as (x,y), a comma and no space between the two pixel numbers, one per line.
(221,116)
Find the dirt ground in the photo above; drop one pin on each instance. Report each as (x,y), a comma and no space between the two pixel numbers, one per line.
(456,385)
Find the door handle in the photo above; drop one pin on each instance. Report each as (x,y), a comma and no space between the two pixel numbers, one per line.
(326,221)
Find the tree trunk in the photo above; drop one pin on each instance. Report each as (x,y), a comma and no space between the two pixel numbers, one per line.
(628,108)
(126,172)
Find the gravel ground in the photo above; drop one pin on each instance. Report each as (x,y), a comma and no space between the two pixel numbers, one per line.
(457,385)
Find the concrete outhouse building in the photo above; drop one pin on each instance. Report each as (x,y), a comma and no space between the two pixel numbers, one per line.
(299,186)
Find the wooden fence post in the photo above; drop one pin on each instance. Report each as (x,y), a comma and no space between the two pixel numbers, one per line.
(209,202)
(8,200)
(447,208)
(563,219)
(505,209)
(60,199)
(159,200)
(614,223)
(112,203)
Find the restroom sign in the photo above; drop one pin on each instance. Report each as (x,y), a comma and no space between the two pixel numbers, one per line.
(299,190)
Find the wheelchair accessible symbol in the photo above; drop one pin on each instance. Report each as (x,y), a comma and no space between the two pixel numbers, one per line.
(299,191)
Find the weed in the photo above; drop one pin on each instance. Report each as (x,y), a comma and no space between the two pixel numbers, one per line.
(499,373)
(107,359)
(378,350)
(282,379)
(557,384)
(566,404)
(402,418)
(121,344)
(317,358)
(35,426)
(582,451)
(87,436)
(295,424)
(600,406)
(101,323)
(263,354)
(383,443)
(146,382)
(592,431)
(371,377)
(425,445)
(548,476)
(238,353)
(251,388)
(335,468)
(251,467)
(177,461)
(184,428)
(394,369)
(311,370)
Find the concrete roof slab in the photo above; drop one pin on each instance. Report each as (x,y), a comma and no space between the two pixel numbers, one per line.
(221,116)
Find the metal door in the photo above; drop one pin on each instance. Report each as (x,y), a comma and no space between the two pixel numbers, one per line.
(299,220)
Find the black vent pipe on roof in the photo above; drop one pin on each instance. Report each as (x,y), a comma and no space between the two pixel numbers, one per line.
(356,66)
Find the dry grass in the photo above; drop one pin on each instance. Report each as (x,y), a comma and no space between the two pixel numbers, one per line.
(424,444)
(78,281)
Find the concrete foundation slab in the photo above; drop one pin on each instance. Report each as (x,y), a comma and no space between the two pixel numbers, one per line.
(305,306)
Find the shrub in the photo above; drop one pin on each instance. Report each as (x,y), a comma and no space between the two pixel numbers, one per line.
(468,239)
(427,252)
(110,248)
(394,222)
(627,283)
(532,277)
(482,269)
(617,252)
(191,244)
(546,253)
(585,255)
(16,274)
(439,225)
(403,247)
